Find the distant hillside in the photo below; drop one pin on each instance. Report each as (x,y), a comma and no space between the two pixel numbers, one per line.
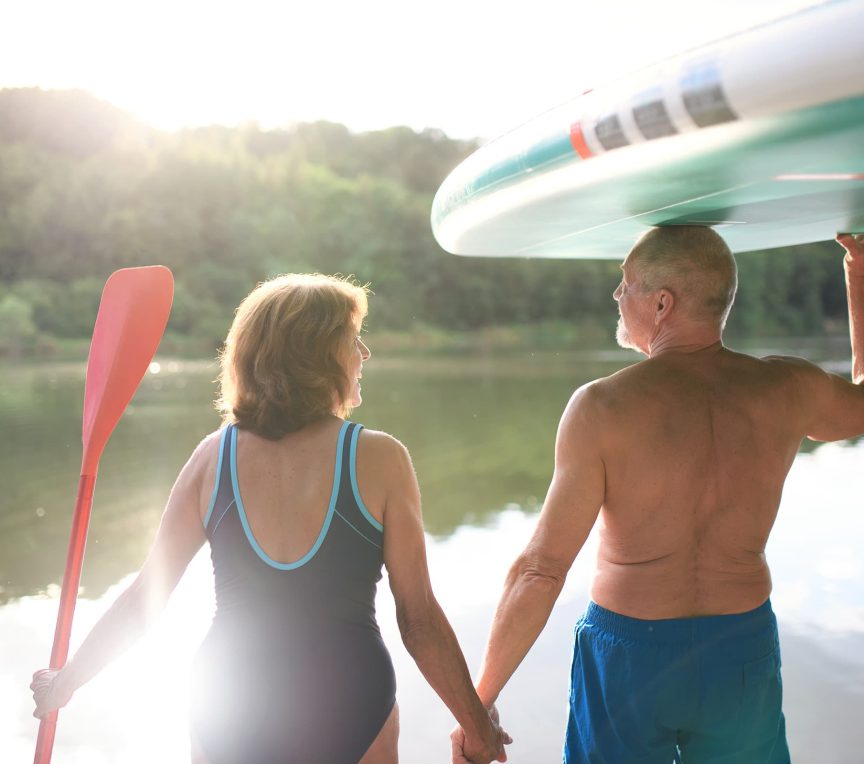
(69,122)
(86,189)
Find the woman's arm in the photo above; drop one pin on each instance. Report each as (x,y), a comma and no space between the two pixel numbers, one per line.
(180,536)
(425,631)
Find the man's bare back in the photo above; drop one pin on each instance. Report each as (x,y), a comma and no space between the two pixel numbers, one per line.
(686,515)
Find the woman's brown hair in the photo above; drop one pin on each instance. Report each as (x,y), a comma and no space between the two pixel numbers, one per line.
(283,363)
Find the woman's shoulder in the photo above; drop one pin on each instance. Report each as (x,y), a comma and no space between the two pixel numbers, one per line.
(380,448)
(197,476)
(209,444)
(384,469)
(383,441)
(202,462)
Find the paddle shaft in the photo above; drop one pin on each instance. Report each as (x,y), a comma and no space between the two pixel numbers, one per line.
(133,312)
(68,598)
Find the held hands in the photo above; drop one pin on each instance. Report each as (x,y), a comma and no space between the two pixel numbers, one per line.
(48,692)
(477,750)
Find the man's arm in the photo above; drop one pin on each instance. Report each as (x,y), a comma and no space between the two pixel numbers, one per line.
(853,265)
(537,576)
(835,403)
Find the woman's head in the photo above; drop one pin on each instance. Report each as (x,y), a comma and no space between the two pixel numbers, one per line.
(287,355)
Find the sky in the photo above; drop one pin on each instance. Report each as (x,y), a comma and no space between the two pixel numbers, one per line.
(473,68)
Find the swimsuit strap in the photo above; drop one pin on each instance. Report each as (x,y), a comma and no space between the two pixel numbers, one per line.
(222,498)
(350,506)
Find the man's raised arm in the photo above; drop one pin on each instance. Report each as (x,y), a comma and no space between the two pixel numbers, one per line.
(834,405)
(854,266)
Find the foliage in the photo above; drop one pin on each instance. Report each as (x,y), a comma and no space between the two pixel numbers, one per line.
(17,329)
(84,189)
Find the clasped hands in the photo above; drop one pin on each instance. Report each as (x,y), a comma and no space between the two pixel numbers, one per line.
(464,750)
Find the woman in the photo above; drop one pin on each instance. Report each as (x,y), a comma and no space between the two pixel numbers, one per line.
(300,507)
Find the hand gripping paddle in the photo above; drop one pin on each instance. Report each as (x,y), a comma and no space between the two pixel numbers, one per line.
(132,316)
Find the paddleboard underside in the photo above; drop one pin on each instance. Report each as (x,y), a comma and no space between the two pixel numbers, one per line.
(791,179)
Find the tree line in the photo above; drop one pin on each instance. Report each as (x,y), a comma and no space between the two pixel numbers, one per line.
(86,189)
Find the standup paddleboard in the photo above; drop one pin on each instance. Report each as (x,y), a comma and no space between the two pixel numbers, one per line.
(760,135)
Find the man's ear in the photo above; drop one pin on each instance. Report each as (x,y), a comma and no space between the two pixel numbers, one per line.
(663,306)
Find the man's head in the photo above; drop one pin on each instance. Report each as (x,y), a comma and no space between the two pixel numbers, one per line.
(688,266)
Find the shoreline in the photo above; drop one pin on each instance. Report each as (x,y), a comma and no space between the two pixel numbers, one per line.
(576,340)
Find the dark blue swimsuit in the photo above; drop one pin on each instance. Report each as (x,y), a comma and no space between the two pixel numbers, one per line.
(293,668)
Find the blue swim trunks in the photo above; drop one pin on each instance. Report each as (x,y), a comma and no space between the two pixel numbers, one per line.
(690,690)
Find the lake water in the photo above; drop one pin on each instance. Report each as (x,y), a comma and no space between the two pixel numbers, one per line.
(481,433)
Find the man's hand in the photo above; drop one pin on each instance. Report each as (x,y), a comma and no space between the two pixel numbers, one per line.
(854,246)
(465,751)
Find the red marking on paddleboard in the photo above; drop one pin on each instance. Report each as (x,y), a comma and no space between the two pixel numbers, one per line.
(823,176)
(577,140)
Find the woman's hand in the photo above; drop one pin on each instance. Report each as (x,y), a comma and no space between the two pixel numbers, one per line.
(49,691)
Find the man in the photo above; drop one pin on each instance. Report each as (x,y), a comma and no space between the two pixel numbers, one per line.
(682,457)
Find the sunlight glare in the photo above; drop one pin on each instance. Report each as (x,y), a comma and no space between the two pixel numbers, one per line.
(147,689)
(369,66)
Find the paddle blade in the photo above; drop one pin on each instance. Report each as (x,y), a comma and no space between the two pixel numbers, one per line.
(132,316)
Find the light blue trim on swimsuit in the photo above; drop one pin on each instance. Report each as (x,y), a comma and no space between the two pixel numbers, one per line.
(222,517)
(357,530)
(218,477)
(353,469)
(324,528)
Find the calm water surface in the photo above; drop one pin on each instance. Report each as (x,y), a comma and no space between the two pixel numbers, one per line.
(481,432)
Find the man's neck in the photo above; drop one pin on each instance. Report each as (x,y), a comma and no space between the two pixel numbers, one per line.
(691,338)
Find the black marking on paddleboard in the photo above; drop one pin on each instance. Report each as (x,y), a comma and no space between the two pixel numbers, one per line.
(609,132)
(703,94)
(651,116)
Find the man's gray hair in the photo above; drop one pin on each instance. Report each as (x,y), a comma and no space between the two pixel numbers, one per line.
(692,262)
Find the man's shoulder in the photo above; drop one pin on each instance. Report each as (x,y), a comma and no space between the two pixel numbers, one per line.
(789,363)
(778,369)
(605,393)
(631,377)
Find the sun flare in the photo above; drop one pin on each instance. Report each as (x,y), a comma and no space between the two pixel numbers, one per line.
(368,65)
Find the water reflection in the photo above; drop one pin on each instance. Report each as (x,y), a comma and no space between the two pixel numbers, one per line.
(822,627)
(40,416)
(475,443)
(481,433)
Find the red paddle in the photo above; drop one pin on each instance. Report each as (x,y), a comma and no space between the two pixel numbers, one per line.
(132,316)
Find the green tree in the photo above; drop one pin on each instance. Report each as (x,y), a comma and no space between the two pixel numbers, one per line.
(17,329)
